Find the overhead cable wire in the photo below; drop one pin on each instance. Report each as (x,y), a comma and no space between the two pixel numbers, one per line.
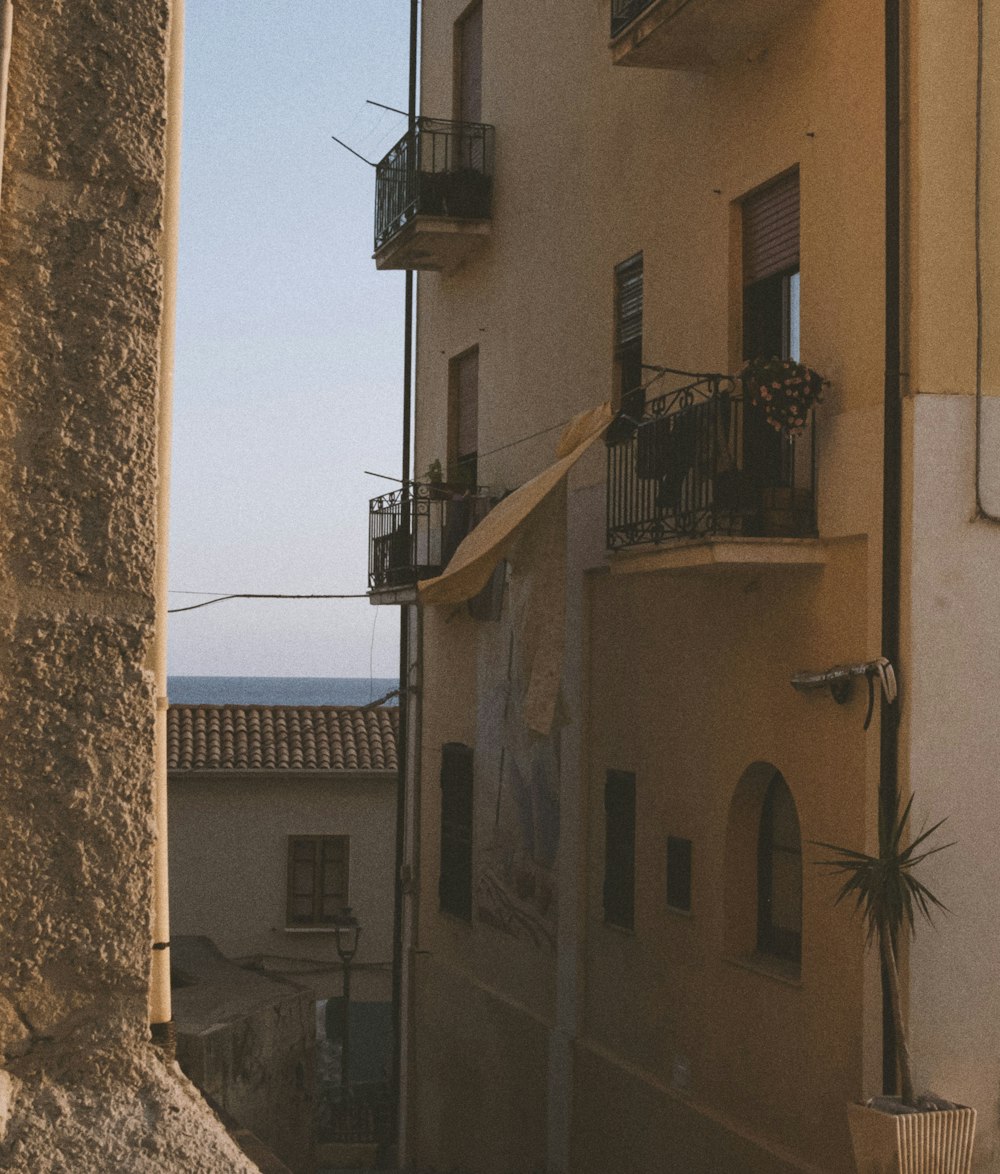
(259,595)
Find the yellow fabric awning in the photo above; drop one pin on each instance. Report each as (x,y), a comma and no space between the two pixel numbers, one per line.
(473,562)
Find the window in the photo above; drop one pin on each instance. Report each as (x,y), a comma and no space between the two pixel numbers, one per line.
(679,873)
(619,849)
(317,879)
(455,879)
(628,336)
(463,418)
(779,875)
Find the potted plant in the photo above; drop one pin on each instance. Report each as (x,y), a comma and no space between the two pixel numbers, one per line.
(784,391)
(911,1134)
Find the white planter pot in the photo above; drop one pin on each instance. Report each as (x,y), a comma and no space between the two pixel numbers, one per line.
(912,1143)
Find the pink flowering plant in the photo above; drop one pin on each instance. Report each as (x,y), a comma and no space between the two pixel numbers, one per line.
(784,390)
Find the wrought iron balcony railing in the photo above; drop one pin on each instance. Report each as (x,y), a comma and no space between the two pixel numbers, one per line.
(412,533)
(437,169)
(623,12)
(702,461)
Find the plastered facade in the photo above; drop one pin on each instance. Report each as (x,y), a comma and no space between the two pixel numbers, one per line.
(616,1050)
(82,294)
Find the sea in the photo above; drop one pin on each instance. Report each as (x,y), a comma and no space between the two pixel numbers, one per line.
(279,690)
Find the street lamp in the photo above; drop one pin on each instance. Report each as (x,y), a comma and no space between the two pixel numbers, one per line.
(348,931)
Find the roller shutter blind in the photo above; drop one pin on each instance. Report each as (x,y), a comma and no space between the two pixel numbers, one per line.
(771,230)
(628,301)
(467,380)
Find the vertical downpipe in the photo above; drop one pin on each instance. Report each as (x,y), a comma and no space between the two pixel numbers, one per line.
(404,633)
(892,459)
(160,1010)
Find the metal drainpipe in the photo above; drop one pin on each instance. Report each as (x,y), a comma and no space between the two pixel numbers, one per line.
(892,461)
(8,36)
(404,634)
(160,1010)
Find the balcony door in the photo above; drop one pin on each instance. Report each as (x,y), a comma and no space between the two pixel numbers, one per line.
(469,83)
(770,314)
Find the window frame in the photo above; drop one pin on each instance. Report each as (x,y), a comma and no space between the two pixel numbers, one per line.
(680,846)
(316,919)
(773,940)
(456,830)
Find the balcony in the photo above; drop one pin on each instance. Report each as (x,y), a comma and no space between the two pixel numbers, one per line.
(413,533)
(433,193)
(697,35)
(704,477)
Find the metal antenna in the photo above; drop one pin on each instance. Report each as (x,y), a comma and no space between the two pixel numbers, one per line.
(341,143)
(383,106)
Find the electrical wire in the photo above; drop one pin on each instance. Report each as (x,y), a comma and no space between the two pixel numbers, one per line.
(982,513)
(255,595)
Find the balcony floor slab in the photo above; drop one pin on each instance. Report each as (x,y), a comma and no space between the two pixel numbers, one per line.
(433,243)
(718,554)
(699,35)
(393,596)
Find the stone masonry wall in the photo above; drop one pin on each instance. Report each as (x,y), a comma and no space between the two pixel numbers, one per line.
(81,292)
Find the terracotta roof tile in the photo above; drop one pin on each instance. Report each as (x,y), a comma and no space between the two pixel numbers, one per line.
(281,737)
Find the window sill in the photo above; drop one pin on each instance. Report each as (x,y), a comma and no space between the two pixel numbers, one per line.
(327,929)
(778,969)
(687,914)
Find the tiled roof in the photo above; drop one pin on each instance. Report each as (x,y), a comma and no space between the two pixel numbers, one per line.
(281,737)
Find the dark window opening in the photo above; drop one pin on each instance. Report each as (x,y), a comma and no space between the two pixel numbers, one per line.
(779,875)
(317,879)
(679,873)
(464,419)
(455,878)
(619,849)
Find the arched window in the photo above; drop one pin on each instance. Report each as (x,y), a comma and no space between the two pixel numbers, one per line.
(779,875)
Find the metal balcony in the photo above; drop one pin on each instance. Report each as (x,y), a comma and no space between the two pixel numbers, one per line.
(433,196)
(701,462)
(697,35)
(412,534)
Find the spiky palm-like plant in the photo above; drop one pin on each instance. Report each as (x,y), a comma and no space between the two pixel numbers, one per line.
(889,897)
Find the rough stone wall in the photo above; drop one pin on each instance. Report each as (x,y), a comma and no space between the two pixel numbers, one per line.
(81,284)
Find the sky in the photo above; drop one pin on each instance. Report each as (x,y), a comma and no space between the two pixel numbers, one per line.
(288,382)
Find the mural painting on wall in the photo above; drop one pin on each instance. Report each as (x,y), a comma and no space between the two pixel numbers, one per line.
(518,737)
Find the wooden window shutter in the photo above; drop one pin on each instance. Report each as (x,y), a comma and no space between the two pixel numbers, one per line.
(771,230)
(619,849)
(628,301)
(467,403)
(470,65)
(455,878)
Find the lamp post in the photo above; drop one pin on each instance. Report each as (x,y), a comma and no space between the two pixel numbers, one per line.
(348,931)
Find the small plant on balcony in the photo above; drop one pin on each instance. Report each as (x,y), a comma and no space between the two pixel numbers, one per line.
(784,390)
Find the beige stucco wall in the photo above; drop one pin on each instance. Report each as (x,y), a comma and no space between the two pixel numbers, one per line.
(951,612)
(594,163)
(685,678)
(81,306)
(229,868)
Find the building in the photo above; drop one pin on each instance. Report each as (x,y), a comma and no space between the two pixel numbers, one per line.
(90,102)
(618,954)
(281,818)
